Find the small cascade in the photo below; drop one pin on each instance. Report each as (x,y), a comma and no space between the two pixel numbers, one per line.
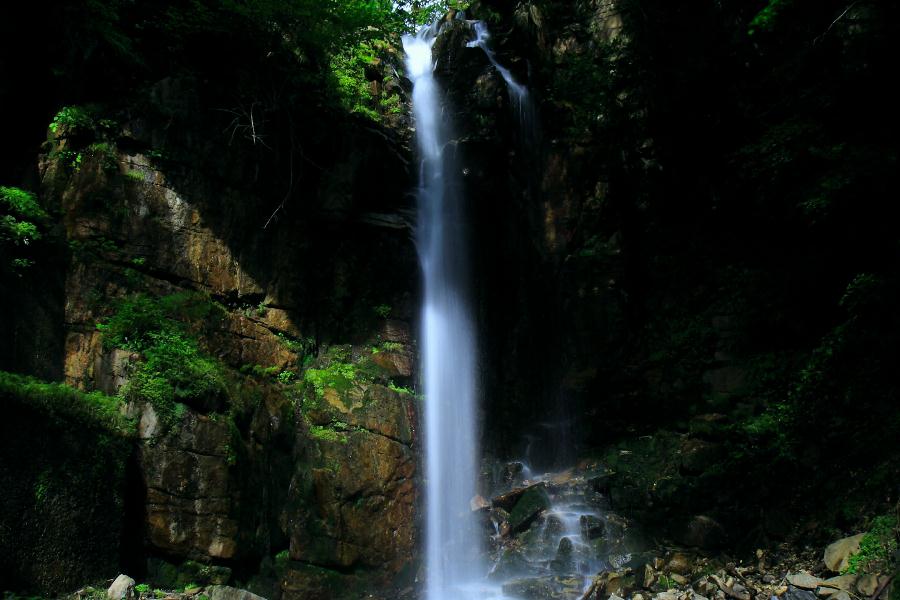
(567,541)
(519,96)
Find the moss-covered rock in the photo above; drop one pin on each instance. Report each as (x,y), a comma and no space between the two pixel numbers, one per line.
(63,475)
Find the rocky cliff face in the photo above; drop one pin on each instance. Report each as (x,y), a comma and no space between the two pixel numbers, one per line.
(297,475)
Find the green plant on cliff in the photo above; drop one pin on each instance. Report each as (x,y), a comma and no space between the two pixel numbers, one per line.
(22,223)
(72,118)
(336,375)
(172,369)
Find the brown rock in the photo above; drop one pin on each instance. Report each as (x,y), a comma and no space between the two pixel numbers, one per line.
(681,563)
(189,499)
(803,580)
(837,554)
(394,364)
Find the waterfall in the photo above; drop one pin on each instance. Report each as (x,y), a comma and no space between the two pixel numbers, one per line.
(452,541)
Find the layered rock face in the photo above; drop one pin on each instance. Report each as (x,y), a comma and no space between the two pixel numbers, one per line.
(320,473)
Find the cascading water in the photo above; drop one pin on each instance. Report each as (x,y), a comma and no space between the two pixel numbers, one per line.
(452,541)
(518,93)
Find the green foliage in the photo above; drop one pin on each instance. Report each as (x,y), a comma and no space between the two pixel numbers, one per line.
(353,88)
(383,310)
(61,401)
(260,371)
(767,18)
(336,375)
(173,370)
(877,547)
(106,153)
(22,223)
(142,588)
(400,390)
(286,377)
(302,347)
(428,11)
(71,118)
(338,370)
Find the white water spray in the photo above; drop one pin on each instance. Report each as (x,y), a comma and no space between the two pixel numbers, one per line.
(452,545)
(518,93)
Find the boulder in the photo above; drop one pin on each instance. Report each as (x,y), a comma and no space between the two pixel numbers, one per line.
(869,584)
(529,589)
(619,583)
(703,532)
(121,589)
(224,592)
(563,561)
(680,562)
(591,527)
(830,587)
(837,554)
(794,593)
(531,503)
(646,577)
(804,580)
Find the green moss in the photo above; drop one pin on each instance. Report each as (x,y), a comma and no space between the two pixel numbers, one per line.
(327,434)
(60,400)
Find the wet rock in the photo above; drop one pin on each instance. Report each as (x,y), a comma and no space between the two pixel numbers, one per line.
(531,503)
(804,580)
(512,563)
(121,589)
(837,554)
(529,589)
(591,527)
(563,561)
(553,527)
(619,583)
(793,593)
(508,500)
(511,472)
(703,532)
(224,592)
(478,503)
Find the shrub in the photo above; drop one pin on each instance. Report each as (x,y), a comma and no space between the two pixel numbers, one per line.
(877,548)
(173,369)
